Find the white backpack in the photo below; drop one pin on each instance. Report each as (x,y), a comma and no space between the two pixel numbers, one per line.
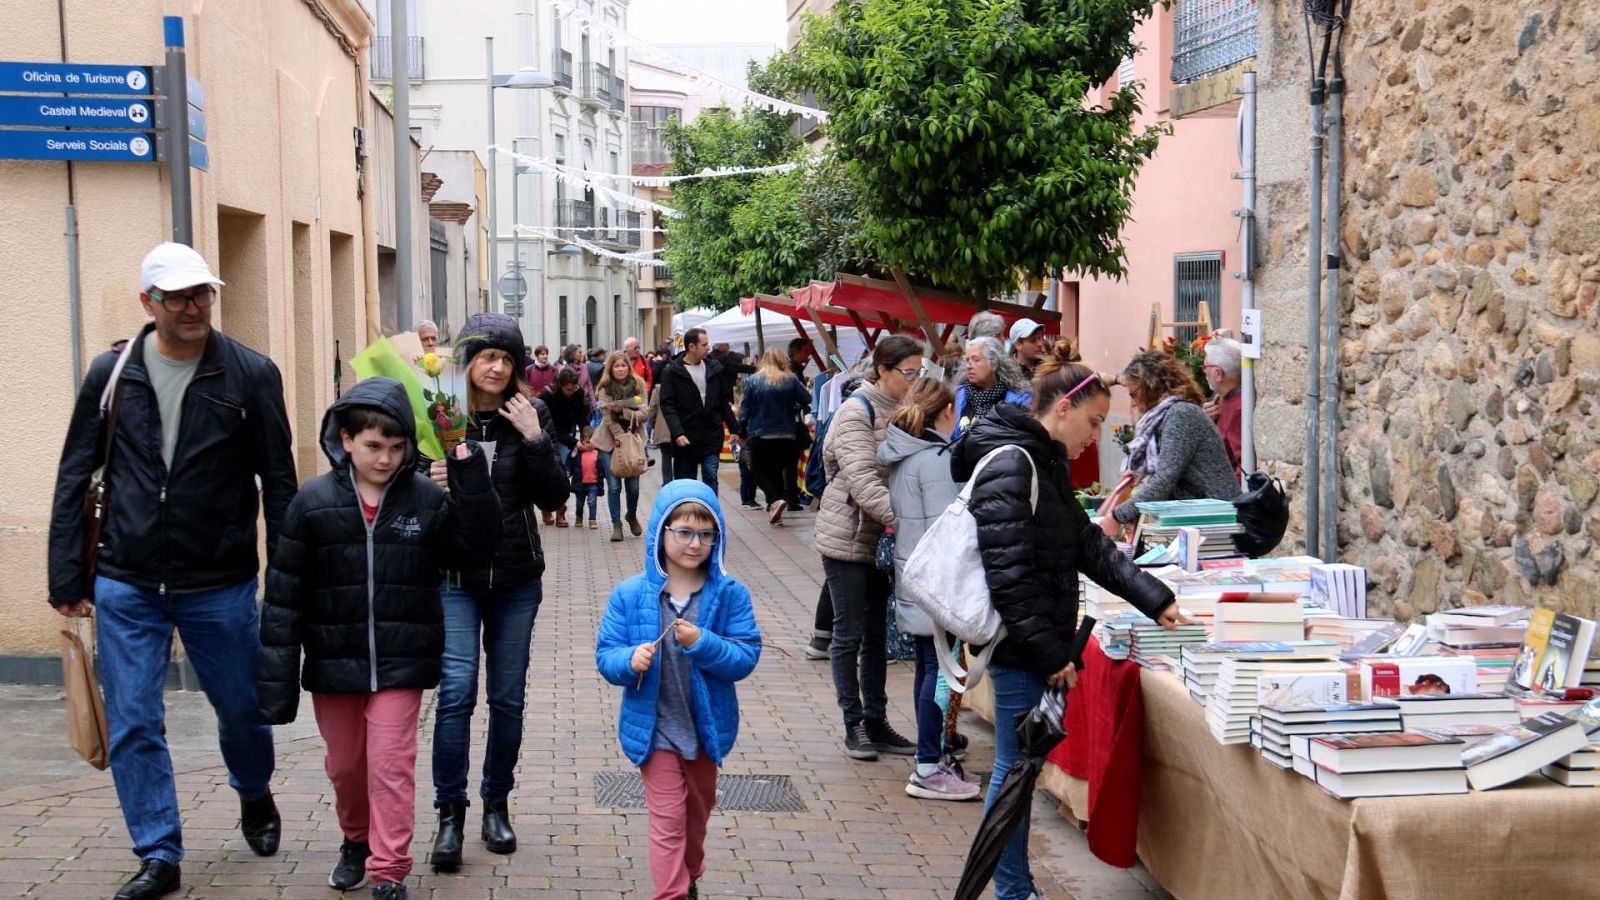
(944,578)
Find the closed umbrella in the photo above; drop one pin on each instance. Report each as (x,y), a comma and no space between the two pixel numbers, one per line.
(1038,732)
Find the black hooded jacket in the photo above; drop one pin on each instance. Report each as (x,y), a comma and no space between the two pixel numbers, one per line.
(701,421)
(1031,559)
(526,473)
(364,601)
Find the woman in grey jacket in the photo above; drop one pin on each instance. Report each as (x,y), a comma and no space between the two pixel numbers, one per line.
(917,453)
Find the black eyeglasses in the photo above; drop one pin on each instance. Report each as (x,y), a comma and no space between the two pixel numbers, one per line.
(687,536)
(202,297)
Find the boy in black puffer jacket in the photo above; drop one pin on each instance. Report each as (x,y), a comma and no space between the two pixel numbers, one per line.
(355,581)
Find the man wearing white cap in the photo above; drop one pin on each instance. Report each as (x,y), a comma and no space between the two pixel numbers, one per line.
(197,419)
(1027,344)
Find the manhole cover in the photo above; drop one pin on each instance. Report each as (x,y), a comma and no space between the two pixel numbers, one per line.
(748,793)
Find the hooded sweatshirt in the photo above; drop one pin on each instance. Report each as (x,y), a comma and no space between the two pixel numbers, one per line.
(920,488)
(727,651)
(362,599)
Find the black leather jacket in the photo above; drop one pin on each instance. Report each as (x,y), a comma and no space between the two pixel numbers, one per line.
(1032,557)
(193,527)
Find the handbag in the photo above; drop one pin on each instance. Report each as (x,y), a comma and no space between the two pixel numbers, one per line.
(627,457)
(87,729)
(97,500)
(945,579)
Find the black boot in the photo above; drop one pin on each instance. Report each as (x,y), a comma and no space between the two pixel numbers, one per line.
(447,844)
(261,824)
(497,833)
(155,879)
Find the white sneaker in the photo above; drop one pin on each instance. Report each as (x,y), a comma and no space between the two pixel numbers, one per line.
(943,784)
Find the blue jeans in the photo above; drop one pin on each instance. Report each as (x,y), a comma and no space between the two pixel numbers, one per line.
(930,718)
(505,618)
(591,492)
(685,460)
(222,637)
(1015,692)
(614,487)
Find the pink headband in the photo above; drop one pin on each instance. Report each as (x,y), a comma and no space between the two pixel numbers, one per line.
(1082,384)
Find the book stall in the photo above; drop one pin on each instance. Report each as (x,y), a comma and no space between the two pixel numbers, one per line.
(1289,746)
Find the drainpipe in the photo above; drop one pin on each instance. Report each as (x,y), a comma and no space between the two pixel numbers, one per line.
(1247,286)
(74,279)
(369,227)
(1330,311)
(1312,482)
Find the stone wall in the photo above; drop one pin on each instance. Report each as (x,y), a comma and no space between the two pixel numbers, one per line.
(1470,354)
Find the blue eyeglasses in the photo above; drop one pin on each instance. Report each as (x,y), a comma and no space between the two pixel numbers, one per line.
(687,536)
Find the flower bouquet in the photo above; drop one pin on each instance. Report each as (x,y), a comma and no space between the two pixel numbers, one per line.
(444,406)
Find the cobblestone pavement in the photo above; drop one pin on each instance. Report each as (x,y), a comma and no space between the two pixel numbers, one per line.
(61,833)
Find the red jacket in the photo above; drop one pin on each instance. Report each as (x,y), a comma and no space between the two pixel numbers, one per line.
(1230,423)
(641,368)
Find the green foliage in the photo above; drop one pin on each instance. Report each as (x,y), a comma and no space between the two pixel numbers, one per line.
(962,129)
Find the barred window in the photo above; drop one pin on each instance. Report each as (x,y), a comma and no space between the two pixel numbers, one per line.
(1196,279)
(1211,35)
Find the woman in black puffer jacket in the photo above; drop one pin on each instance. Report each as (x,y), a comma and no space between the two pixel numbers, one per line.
(1032,556)
(498,601)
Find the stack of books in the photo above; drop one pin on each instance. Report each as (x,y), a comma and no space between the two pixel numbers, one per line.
(1426,712)
(1350,633)
(1163,524)
(1242,685)
(1341,588)
(1115,634)
(1480,626)
(1591,672)
(1155,647)
(1276,730)
(1520,750)
(1405,676)
(1388,765)
(1531,704)
(1258,617)
(1283,574)
(1200,663)
(1580,769)
(1554,652)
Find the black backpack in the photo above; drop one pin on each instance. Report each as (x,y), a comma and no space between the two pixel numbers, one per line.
(1263,513)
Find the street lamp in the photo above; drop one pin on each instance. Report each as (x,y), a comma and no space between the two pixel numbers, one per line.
(525,78)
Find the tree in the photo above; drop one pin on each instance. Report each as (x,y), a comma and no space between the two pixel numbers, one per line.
(962,125)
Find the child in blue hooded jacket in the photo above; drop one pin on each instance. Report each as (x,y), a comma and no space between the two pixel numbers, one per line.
(675,638)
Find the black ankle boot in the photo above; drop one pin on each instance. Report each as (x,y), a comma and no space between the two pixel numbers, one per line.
(497,833)
(261,825)
(446,856)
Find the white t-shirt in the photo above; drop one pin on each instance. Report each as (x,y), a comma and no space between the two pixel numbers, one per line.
(698,373)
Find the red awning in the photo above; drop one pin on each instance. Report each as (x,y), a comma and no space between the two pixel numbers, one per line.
(873,299)
(784,306)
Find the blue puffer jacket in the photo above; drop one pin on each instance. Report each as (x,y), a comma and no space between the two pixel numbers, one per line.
(729,645)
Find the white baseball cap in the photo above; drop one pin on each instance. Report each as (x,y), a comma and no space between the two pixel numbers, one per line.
(1022,329)
(174,267)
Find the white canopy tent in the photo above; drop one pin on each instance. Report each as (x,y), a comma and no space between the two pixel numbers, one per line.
(734,327)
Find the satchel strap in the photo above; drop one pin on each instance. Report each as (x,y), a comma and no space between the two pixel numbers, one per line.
(111,398)
(1033,486)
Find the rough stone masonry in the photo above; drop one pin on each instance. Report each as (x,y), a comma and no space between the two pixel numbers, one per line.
(1469,445)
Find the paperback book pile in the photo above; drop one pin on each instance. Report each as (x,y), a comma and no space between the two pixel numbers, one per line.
(1580,769)
(1116,634)
(1242,686)
(1554,652)
(1341,588)
(1172,526)
(1201,663)
(1521,750)
(1275,731)
(1591,673)
(1155,647)
(1259,617)
(1531,704)
(1411,675)
(1388,765)
(1350,634)
(1424,712)
(1480,627)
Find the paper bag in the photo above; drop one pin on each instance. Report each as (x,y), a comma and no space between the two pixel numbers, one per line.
(87,730)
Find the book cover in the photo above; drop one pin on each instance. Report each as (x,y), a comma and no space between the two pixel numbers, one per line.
(1533,647)
(1474,616)
(1381,739)
(1566,648)
(1418,675)
(1318,689)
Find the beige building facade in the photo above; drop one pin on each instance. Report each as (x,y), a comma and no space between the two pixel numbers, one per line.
(287,215)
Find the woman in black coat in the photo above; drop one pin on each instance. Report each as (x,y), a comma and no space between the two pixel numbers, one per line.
(496,602)
(569,416)
(1032,555)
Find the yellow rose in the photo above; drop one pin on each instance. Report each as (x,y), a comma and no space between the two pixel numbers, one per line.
(432,364)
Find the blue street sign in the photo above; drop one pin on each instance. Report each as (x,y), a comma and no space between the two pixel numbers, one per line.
(197,94)
(79,112)
(197,124)
(74,78)
(199,156)
(100,146)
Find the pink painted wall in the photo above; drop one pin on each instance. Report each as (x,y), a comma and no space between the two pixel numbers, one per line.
(1183,202)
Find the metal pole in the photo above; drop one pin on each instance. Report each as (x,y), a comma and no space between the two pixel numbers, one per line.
(177,128)
(516,217)
(1312,480)
(494,231)
(405,185)
(1330,325)
(75,290)
(1247,289)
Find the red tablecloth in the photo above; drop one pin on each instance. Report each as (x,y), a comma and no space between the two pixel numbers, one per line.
(1105,746)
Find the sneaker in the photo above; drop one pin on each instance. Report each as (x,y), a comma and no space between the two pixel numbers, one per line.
(819,646)
(749,506)
(943,784)
(775,517)
(388,890)
(350,872)
(886,740)
(956,746)
(857,743)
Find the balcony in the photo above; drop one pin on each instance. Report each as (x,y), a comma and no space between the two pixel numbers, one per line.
(574,214)
(596,90)
(663,276)
(381,58)
(604,232)
(628,229)
(646,144)
(619,96)
(1209,36)
(561,68)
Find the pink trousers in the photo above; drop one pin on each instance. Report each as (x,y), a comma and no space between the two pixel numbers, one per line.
(372,762)
(679,794)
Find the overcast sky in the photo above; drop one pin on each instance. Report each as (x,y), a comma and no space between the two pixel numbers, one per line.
(707,21)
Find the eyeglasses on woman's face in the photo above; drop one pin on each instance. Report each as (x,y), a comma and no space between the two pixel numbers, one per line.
(688,537)
(912,374)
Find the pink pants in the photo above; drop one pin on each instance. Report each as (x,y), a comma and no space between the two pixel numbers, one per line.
(372,762)
(679,794)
